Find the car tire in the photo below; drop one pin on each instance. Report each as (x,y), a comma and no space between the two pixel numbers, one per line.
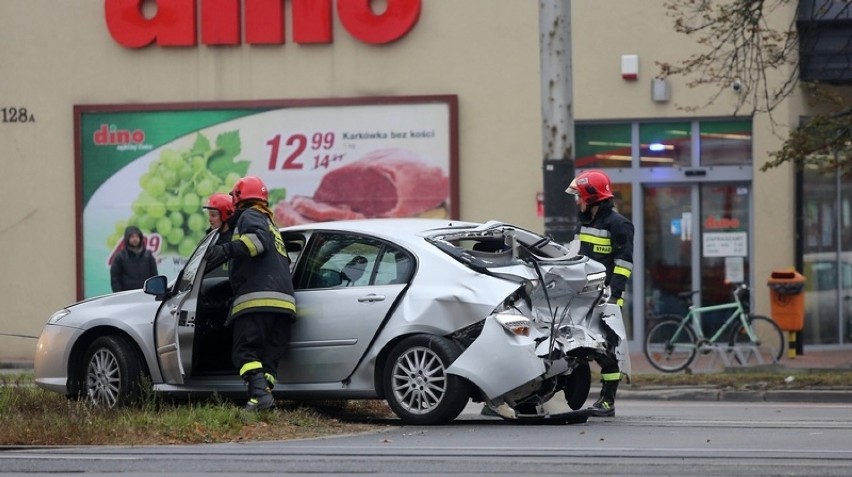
(577,386)
(111,372)
(417,386)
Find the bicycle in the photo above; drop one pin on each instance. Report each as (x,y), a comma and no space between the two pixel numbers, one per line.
(673,342)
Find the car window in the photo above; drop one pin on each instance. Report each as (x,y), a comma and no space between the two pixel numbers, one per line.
(347,260)
(294,244)
(395,266)
(190,270)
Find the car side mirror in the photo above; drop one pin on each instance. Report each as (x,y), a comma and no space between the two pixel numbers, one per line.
(157,286)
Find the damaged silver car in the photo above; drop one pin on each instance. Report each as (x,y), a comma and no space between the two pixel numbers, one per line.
(427,314)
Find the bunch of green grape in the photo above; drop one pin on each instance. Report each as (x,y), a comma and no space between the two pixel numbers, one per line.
(174,190)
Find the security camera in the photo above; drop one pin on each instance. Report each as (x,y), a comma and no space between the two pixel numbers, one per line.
(736,86)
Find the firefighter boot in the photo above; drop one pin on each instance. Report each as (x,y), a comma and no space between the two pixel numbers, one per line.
(605,405)
(260,396)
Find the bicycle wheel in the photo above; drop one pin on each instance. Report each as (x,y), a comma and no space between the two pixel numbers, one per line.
(670,347)
(769,345)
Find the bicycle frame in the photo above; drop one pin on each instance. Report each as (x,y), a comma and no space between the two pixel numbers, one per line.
(671,344)
(693,319)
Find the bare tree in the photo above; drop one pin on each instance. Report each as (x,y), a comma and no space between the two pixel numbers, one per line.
(742,47)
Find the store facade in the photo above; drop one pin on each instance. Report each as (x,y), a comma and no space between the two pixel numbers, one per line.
(689,180)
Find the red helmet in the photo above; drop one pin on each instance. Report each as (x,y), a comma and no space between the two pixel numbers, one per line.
(223,203)
(592,186)
(249,187)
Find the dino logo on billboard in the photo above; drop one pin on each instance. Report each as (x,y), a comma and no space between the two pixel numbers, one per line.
(139,23)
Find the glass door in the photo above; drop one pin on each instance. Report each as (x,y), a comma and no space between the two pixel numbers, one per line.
(675,261)
(668,226)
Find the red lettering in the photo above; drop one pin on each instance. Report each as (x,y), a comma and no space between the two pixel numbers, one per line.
(172,25)
(718,223)
(312,21)
(220,22)
(109,135)
(264,22)
(362,23)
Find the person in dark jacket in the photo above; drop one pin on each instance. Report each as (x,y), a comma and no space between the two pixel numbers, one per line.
(607,237)
(133,264)
(264,305)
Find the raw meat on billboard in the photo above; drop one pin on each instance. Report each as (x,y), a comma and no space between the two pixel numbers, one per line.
(383,183)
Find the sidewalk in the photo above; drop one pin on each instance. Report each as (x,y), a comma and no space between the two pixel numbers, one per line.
(815,358)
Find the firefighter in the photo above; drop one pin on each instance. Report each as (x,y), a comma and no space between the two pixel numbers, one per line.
(264,306)
(607,237)
(220,209)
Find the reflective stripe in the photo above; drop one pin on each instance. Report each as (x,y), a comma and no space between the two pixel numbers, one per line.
(623,263)
(595,240)
(594,231)
(621,271)
(611,376)
(620,302)
(250,366)
(263,295)
(255,246)
(245,302)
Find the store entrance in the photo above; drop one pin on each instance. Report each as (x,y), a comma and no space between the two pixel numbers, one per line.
(696,238)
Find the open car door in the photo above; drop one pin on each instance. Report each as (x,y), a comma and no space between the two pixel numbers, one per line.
(174,325)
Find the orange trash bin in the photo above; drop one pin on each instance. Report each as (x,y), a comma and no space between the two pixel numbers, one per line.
(787,299)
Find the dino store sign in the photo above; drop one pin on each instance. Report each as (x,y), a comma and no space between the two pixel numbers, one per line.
(139,23)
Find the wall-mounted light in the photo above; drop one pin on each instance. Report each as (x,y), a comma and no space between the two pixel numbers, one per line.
(630,67)
(660,90)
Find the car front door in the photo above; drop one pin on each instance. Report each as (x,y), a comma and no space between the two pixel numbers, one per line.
(346,285)
(174,325)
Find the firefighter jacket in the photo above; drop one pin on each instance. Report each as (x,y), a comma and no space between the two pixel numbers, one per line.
(608,238)
(258,266)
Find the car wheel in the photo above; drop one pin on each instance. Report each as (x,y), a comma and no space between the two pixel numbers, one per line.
(577,385)
(417,386)
(111,371)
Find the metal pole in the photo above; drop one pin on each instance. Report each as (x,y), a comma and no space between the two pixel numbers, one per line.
(560,214)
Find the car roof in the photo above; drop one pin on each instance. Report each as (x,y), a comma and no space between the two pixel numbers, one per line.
(392,227)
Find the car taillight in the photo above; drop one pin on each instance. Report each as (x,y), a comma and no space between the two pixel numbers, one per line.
(515,324)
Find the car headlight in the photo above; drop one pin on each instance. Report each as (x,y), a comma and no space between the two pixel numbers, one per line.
(54,318)
(515,324)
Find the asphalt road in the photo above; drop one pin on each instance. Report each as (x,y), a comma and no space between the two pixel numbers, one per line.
(645,438)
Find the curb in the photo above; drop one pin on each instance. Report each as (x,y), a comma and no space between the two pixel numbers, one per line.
(843,396)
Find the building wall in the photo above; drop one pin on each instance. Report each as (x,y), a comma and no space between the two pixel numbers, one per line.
(600,36)
(59,54)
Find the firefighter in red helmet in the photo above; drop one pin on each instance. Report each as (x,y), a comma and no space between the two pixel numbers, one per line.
(264,305)
(605,236)
(220,209)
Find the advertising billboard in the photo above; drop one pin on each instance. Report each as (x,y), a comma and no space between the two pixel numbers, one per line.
(154,166)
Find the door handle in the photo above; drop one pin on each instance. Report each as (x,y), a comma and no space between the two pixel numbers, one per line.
(372,297)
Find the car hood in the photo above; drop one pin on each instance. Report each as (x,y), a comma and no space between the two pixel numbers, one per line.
(121,306)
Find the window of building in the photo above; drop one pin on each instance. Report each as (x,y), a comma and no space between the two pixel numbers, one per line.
(826,220)
(602,146)
(725,142)
(665,144)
